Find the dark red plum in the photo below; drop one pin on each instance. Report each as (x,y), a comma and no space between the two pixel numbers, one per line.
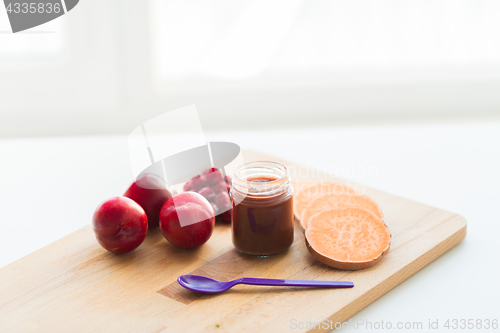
(120,224)
(198,220)
(150,192)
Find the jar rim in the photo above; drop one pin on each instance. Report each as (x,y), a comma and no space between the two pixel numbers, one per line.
(248,188)
(246,165)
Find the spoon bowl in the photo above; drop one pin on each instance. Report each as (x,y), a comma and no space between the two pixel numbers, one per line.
(203,283)
(208,285)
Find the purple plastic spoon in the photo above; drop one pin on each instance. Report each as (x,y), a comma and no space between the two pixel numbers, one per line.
(207,285)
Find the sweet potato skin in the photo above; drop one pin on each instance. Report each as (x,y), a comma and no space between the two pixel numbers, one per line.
(345,265)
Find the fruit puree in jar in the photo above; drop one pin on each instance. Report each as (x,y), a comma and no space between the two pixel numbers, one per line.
(262,220)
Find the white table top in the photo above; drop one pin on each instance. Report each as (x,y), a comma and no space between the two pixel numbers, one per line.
(49,187)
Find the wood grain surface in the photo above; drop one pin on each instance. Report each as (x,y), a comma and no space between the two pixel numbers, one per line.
(74,285)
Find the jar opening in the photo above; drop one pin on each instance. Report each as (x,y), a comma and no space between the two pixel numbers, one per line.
(261,178)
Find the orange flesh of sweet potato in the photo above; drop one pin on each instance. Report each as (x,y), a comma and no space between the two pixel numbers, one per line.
(306,192)
(348,239)
(339,201)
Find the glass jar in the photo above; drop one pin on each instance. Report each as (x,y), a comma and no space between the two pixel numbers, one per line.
(262,214)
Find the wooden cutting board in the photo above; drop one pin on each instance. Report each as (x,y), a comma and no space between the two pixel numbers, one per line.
(74,285)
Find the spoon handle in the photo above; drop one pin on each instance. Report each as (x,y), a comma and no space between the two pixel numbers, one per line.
(296,283)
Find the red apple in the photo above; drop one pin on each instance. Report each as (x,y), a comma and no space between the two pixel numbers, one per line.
(150,192)
(198,220)
(120,224)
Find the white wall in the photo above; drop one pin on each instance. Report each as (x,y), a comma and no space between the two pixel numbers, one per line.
(108,66)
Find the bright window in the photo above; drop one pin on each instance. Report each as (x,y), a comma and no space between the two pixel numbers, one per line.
(237,39)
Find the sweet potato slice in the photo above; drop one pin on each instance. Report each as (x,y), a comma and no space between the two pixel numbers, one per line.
(303,195)
(339,201)
(348,239)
